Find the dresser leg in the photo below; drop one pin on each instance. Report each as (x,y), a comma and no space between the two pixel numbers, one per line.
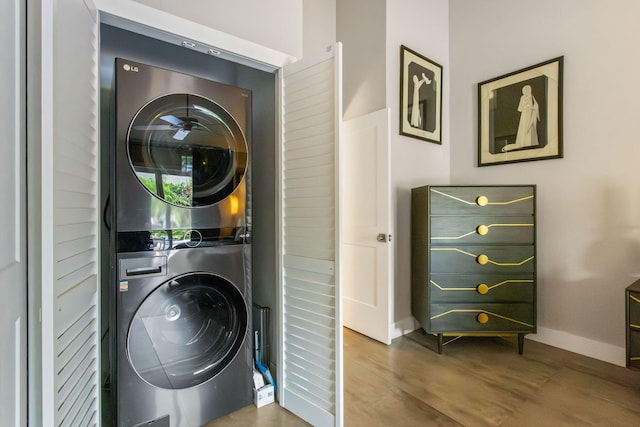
(440,336)
(520,343)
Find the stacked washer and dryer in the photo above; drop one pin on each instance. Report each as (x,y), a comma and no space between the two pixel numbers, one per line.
(183,348)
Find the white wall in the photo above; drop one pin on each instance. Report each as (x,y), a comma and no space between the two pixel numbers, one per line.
(361,27)
(275,24)
(589,201)
(422,25)
(318,26)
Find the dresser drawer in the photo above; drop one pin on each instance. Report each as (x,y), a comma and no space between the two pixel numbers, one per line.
(482,259)
(481,288)
(480,230)
(634,309)
(481,200)
(634,348)
(481,318)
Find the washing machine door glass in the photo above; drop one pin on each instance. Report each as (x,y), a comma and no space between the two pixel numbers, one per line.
(187,150)
(187,331)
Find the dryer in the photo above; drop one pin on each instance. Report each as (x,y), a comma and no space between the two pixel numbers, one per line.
(184,353)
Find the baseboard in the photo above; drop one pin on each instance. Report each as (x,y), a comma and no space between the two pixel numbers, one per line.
(403,327)
(581,345)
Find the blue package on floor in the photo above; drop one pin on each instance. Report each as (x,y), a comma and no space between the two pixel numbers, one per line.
(267,374)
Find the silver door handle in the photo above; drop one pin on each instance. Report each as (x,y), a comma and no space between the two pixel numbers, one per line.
(144,270)
(382,237)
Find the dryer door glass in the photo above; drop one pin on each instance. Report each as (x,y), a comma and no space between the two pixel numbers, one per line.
(187,150)
(187,331)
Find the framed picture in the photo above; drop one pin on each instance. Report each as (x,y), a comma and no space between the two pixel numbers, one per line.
(420,96)
(520,115)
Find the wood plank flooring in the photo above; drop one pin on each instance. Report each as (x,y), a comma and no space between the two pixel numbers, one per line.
(475,382)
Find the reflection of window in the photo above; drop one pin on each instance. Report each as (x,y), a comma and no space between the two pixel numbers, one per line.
(187,165)
(149,181)
(175,189)
(169,239)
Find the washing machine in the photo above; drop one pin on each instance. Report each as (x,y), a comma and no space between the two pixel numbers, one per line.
(182,347)
(181,150)
(184,355)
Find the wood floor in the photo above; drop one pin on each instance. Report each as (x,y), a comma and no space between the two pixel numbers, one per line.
(475,382)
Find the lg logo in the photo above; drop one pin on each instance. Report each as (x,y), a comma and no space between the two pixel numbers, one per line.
(128,67)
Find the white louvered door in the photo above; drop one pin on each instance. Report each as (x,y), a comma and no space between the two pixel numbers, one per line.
(310,368)
(69,215)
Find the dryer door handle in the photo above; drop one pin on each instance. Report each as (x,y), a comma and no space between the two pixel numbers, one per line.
(143,270)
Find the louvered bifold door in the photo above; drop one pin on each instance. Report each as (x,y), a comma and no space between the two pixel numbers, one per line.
(310,369)
(70,215)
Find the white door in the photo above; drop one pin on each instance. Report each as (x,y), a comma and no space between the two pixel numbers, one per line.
(13,265)
(310,368)
(367,242)
(69,215)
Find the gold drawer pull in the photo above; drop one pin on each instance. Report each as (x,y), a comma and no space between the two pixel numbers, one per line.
(482,318)
(482,289)
(482,230)
(482,200)
(482,259)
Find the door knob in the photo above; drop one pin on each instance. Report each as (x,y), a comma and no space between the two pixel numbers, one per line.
(382,237)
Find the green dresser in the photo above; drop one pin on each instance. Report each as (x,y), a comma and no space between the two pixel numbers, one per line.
(633,325)
(473,264)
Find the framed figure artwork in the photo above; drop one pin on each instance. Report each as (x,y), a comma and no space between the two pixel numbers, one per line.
(420,96)
(520,115)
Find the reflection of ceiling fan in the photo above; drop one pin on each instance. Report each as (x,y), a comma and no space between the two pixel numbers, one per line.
(181,125)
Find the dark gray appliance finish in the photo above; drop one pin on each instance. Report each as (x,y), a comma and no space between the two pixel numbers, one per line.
(184,346)
(118,42)
(181,150)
